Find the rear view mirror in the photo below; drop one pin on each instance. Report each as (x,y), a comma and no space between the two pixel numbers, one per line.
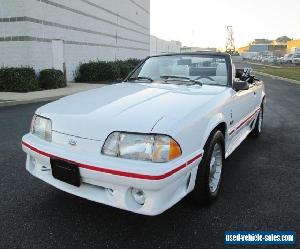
(240,85)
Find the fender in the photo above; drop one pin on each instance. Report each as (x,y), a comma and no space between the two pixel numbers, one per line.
(213,123)
(263,97)
(263,92)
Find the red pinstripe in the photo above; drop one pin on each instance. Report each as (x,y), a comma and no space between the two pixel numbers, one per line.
(244,122)
(117,172)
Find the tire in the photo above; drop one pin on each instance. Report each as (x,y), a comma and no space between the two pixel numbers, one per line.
(203,194)
(259,122)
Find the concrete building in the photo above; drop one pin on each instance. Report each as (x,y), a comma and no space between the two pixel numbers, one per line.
(258,48)
(160,46)
(262,41)
(268,49)
(276,47)
(51,33)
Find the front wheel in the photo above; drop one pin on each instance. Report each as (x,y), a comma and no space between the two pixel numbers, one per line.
(208,179)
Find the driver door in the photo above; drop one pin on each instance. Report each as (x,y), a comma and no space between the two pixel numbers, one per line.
(240,109)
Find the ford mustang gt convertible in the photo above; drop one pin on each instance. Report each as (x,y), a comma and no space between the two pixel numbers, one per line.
(144,144)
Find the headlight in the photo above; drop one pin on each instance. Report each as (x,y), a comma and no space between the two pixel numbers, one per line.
(144,147)
(41,127)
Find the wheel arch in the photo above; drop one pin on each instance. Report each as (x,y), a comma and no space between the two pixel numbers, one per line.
(263,101)
(216,123)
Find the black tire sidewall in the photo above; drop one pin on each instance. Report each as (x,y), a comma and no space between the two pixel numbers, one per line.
(201,193)
(262,118)
(255,132)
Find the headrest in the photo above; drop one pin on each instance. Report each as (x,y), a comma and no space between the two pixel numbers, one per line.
(233,71)
(221,69)
(181,70)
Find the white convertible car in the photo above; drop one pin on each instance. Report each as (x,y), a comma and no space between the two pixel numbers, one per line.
(144,144)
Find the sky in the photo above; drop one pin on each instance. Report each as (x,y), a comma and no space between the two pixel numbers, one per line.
(203,22)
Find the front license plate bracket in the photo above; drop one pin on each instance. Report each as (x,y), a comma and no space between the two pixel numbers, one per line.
(65,171)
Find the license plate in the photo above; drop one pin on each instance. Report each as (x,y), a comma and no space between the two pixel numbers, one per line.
(65,171)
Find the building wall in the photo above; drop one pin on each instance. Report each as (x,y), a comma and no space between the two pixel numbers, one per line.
(291,45)
(277,49)
(160,46)
(243,49)
(90,30)
(258,48)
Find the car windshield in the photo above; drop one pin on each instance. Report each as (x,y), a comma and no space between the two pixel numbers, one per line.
(183,69)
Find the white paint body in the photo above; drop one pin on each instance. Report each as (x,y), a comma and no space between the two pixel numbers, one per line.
(187,113)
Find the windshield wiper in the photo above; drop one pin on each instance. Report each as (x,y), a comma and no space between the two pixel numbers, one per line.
(140,78)
(196,82)
(172,78)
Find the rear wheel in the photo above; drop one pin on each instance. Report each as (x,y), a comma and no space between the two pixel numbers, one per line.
(259,123)
(209,173)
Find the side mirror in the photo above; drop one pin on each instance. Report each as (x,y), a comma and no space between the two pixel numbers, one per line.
(240,85)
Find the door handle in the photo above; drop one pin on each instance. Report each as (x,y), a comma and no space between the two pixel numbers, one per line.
(254,93)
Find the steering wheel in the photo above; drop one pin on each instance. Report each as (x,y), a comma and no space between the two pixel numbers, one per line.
(207,77)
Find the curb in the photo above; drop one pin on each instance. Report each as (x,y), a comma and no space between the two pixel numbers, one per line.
(15,103)
(278,77)
(265,65)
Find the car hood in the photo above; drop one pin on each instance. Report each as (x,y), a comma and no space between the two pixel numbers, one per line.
(130,107)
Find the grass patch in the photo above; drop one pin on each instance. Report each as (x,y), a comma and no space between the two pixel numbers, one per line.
(286,72)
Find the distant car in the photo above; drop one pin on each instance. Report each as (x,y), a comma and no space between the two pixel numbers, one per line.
(296,59)
(280,60)
(272,59)
(144,144)
(265,59)
(288,58)
(259,58)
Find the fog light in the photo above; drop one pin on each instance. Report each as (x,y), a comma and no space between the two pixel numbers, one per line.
(138,195)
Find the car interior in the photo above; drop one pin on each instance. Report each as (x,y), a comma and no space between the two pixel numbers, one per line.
(206,70)
(246,75)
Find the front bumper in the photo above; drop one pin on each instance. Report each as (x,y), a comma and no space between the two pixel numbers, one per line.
(109,180)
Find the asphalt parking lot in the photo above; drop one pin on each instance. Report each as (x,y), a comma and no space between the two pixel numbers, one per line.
(261,191)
